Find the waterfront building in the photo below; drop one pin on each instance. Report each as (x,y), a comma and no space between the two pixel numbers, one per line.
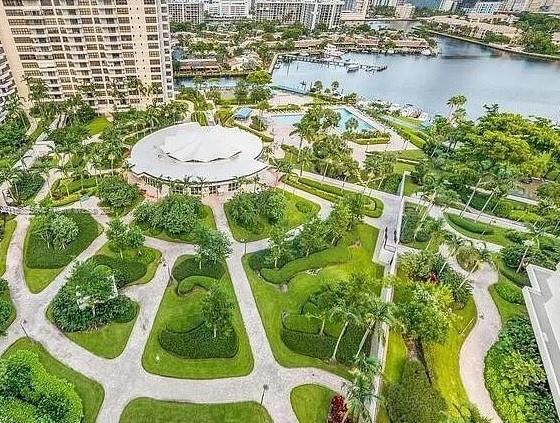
(543,305)
(98,44)
(548,6)
(405,11)
(475,28)
(486,7)
(186,11)
(310,13)
(196,160)
(7,84)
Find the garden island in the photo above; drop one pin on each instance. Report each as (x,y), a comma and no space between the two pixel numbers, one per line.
(263,254)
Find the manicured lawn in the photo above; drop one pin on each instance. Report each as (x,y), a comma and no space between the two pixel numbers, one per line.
(273,301)
(410,187)
(41,264)
(181,314)
(494,234)
(147,410)
(411,154)
(97,125)
(107,342)
(293,217)
(311,403)
(207,220)
(90,392)
(505,308)
(443,359)
(401,167)
(5,243)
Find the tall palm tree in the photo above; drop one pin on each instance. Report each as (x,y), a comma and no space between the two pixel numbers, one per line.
(455,102)
(14,108)
(305,159)
(482,255)
(453,242)
(346,311)
(377,311)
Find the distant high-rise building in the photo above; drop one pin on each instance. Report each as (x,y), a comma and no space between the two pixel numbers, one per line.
(7,84)
(229,9)
(186,11)
(310,13)
(354,10)
(426,4)
(101,44)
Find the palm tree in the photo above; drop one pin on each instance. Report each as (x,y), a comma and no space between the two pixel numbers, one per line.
(305,159)
(453,242)
(327,161)
(346,311)
(437,230)
(302,131)
(14,108)
(455,102)
(378,311)
(482,255)
(360,393)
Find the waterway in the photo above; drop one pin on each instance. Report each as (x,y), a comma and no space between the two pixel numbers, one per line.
(484,75)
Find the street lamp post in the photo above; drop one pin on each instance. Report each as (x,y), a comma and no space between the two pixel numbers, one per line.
(265,388)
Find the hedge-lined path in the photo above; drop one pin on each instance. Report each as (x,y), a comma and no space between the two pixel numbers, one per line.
(124,378)
(483,335)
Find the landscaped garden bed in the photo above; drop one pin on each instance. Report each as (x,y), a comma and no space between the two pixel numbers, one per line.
(90,392)
(147,410)
(7,309)
(251,216)
(43,261)
(6,230)
(479,230)
(182,344)
(311,403)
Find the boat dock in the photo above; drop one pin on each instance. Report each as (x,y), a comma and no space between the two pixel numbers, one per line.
(334,62)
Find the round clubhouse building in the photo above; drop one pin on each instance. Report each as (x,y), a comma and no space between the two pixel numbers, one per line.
(196,160)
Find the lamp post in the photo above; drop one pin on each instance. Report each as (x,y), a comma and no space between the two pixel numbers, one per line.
(265,388)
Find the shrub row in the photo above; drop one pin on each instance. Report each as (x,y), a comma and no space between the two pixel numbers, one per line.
(510,292)
(470,225)
(189,266)
(39,256)
(199,343)
(126,271)
(190,282)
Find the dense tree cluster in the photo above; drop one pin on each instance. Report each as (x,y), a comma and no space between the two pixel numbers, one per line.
(247,208)
(116,193)
(56,229)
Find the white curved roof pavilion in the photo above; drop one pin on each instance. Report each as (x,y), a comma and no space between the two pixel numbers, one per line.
(213,154)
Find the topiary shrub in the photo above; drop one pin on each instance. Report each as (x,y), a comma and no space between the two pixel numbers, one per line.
(304,207)
(199,343)
(126,271)
(6,310)
(189,283)
(414,399)
(470,225)
(510,292)
(189,266)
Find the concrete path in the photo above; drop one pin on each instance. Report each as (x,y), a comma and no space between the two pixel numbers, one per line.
(483,335)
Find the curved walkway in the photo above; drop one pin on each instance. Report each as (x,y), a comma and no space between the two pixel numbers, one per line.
(124,378)
(483,335)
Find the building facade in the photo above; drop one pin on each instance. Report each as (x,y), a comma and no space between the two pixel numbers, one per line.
(7,83)
(103,45)
(228,9)
(186,11)
(310,13)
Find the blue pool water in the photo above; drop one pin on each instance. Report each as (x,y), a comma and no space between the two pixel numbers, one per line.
(289,120)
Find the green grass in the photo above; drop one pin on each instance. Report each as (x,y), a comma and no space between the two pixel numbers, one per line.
(5,243)
(443,359)
(41,126)
(147,410)
(401,167)
(410,187)
(97,125)
(505,308)
(207,220)
(411,154)
(272,301)
(292,219)
(90,392)
(51,260)
(497,234)
(181,314)
(311,403)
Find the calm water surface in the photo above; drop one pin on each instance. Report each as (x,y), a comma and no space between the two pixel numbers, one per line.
(483,75)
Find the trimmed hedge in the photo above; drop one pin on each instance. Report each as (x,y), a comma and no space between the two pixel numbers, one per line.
(510,292)
(190,267)
(190,282)
(470,225)
(126,271)
(199,343)
(39,256)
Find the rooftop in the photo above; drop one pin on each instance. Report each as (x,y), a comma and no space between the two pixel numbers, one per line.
(543,304)
(210,153)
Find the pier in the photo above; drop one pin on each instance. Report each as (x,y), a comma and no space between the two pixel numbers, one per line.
(334,62)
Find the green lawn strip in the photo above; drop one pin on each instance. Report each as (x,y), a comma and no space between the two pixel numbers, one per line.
(108,341)
(411,155)
(37,252)
(520,279)
(292,219)
(505,308)
(311,403)
(273,302)
(401,167)
(443,359)
(464,225)
(180,314)
(90,392)
(150,257)
(97,125)
(5,243)
(410,187)
(41,126)
(147,410)
(374,208)
(6,296)
(207,220)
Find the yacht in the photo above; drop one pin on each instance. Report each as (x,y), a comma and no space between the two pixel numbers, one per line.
(353,67)
(426,52)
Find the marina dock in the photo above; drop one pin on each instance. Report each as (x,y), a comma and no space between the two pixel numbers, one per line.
(333,62)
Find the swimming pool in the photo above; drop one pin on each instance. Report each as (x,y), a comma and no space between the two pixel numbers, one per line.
(345,114)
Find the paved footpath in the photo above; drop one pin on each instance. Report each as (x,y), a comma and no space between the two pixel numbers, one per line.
(124,378)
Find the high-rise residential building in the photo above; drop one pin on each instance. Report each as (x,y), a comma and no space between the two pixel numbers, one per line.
(228,9)
(7,84)
(355,10)
(548,6)
(310,13)
(106,45)
(186,11)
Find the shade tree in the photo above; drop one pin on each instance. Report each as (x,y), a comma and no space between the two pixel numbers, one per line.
(123,237)
(213,246)
(56,229)
(217,308)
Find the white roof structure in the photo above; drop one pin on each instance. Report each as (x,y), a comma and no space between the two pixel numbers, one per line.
(211,153)
(543,304)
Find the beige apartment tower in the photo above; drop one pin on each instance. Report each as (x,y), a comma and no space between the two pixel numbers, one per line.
(100,48)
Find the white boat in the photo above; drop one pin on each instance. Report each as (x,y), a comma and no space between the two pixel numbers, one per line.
(304,54)
(391,51)
(331,51)
(353,67)
(426,52)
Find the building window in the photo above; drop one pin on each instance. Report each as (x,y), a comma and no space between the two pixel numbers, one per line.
(213,189)
(196,190)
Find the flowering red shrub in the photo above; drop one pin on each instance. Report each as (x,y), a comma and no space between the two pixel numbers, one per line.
(337,410)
